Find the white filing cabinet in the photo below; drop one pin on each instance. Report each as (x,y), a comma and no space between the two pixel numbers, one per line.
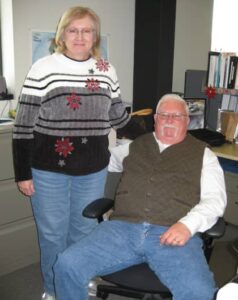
(18,238)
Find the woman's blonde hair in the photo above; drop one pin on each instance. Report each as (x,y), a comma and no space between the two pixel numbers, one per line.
(74,13)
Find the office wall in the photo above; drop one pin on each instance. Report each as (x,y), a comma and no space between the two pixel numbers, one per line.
(117,23)
(192,38)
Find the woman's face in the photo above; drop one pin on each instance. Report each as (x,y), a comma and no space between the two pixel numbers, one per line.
(79,37)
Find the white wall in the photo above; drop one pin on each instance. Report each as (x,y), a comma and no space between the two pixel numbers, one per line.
(7,43)
(192,38)
(8,64)
(117,17)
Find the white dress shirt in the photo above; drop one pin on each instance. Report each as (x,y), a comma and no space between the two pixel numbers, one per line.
(213,192)
(228,292)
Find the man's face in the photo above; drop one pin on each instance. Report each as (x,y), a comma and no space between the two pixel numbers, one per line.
(171,122)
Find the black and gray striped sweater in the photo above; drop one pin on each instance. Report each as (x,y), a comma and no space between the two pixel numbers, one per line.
(65,113)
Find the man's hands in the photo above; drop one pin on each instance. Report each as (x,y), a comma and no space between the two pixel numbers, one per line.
(177,235)
(26,187)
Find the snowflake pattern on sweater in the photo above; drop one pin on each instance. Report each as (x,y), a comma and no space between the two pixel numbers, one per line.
(73,101)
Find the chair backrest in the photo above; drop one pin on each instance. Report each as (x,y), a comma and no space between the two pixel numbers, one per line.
(113,179)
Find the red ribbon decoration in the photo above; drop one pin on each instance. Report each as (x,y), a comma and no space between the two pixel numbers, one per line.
(210,92)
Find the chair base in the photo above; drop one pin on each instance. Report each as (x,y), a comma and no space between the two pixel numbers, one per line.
(104,290)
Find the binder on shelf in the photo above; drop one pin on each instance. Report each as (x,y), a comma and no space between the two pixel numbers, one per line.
(232,72)
(233,103)
(213,68)
(229,102)
(223,59)
(236,80)
(228,56)
(225,101)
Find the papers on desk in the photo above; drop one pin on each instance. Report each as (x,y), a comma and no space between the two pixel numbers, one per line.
(6,121)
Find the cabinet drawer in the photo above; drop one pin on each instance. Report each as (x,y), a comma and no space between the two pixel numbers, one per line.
(6,161)
(19,245)
(13,205)
(231,182)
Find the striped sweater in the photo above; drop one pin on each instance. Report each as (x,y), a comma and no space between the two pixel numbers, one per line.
(65,113)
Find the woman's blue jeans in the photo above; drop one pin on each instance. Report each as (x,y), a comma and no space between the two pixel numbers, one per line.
(114,245)
(57,205)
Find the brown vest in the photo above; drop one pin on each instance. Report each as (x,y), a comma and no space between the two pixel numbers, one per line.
(159,188)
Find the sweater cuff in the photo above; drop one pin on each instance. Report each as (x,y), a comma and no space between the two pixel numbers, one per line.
(22,157)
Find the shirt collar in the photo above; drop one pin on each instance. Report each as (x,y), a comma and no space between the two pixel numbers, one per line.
(162,146)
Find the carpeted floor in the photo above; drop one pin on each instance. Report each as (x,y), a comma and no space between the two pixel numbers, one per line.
(223,263)
(26,283)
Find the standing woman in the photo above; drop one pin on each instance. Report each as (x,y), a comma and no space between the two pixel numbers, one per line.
(69,102)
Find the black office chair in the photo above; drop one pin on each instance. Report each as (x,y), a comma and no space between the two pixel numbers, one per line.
(235,248)
(139,281)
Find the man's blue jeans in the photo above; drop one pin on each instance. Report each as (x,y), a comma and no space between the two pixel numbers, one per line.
(114,245)
(57,205)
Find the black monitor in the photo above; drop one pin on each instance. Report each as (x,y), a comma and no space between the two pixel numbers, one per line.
(197,112)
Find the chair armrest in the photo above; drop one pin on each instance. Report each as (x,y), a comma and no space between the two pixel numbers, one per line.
(217,230)
(97,208)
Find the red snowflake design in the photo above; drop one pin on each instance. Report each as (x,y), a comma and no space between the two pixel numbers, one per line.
(73,101)
(64,147)
(102,65)
(93,84)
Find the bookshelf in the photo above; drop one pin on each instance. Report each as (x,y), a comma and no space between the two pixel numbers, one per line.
(222,91)
(222,74)
(222,70)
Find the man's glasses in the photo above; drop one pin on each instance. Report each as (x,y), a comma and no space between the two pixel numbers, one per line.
(76,31)
(174,116)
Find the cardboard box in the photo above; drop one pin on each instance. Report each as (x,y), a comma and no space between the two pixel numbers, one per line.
(229,121)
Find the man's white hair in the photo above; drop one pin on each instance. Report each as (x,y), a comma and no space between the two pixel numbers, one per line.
(171,97)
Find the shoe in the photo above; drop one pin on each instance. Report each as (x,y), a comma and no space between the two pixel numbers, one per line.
(92,287)
(46,296)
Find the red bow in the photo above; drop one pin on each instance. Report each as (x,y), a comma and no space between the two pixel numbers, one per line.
(210,92)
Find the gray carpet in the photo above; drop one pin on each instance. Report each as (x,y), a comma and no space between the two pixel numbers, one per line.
(223,263)
(26,283)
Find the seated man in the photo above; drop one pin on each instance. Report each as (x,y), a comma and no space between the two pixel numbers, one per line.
(172,187)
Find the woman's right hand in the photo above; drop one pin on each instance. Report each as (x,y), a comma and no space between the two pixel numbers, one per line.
(26,187)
